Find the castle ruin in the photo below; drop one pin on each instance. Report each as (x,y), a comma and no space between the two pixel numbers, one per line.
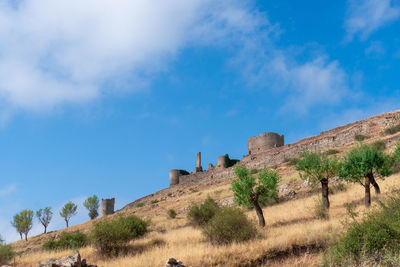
(265,142)
(107,206)
(269,150)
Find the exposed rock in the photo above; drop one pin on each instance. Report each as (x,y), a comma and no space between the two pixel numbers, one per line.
(227,201)
(171,262)
(68,261)
(291,194)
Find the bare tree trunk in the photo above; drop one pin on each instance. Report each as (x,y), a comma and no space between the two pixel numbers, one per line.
(325,192)
(367,192)
(260,215)
(26,236)
(45,229)
(374,183)
(20,234)
(66,222)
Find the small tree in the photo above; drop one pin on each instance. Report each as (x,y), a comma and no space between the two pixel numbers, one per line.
(359,165)
(92,204)
(23,222)
(44,216)
(318,168)
(251,192)
(68,211)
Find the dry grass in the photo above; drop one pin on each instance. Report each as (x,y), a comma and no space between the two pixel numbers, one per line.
(289,225)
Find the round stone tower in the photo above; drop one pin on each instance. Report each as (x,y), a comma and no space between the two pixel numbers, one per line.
(264,142)
(221,162)
(107,206)
(174,177)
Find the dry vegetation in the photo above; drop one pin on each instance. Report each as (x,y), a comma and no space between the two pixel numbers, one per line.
(292,237)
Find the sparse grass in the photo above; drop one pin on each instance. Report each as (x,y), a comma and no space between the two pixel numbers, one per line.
(331,152)
(139,205)
(288,224)
(392,130)
(360,137)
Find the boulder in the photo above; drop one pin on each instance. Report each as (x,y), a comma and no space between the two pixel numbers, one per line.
(171,262)
(68,261)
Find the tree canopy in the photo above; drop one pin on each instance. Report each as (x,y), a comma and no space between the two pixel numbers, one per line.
(68,211)
(92,204)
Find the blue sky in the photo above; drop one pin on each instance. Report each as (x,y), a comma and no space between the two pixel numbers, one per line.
(105,97)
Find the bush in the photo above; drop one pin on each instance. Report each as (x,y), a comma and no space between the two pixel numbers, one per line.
(378,233)
(229,162)
(229,225)
(320,210)
(253,171)
(6,252)
(379,145)
(292,161)
(154,201)
(67,240)
(111,237)
(331,152)
(139,205)
(171,213)
(199,215)
(360,137)
(183,172)
(393,129)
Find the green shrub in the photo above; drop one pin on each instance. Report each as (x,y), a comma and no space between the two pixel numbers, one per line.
(229,162)
(199,215)
(183,172)
(331,152)
(138,205)
(293,161)
(320,210)
(229,225)
(6,252)
(111,237)
(154,201)
(378,233)
(253,171)
(379,145)
(393,129)
(171,213)
(360,137)
(67,240)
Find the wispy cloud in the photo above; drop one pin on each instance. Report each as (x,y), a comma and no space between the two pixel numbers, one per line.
(375,49)
(7,190)
(364,17)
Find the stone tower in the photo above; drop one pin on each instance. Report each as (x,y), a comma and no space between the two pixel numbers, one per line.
(264,142)
(221,162)
(198,163)
(107,206)
(174,177)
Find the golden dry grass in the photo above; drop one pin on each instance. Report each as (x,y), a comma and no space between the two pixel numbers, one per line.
(289,224)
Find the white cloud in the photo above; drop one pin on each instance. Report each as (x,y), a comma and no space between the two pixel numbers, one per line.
(366,16)
(70,51)
(311,83)
(375,49)
(7,190)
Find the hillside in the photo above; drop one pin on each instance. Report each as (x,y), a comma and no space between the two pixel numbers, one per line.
(293,236)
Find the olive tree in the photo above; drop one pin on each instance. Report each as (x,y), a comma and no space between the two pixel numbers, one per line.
(44,216)
(68,211)
(23,222)
(92,204)
(318,168)
(251,191)
(360,164)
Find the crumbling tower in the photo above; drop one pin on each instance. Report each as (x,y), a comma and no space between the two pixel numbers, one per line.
(107,206)
(174,176)
(221,162)
(264,142)
(198,163)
